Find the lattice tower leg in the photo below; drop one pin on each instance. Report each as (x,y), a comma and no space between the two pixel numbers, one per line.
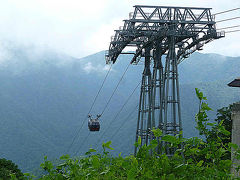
(144,123)
(157,85)
(170,112)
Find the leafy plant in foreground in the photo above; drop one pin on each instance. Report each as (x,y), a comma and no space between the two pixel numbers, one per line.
(9,170)
(194,158)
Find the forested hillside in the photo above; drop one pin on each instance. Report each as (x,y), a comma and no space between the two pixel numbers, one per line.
(45,97)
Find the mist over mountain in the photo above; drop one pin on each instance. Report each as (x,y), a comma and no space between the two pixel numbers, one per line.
(45,97)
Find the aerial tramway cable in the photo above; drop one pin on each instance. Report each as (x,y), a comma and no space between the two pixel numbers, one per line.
(115,89)
(238,17)
(226,11)
(78,131)
(129,97)
(129,115)
(232,31)
(105,107)
(100,88)
(127,100)
(229,27)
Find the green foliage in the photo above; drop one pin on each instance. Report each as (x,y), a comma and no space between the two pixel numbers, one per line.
(224,117)
(217,135)
(9,170)
(107,145)
(157,132)
(194,158)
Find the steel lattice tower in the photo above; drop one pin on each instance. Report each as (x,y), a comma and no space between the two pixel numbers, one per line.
(145,124)
(158,33)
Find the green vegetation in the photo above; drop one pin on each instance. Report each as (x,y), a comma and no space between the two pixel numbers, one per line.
(41,100)
(197,159)
(9,170)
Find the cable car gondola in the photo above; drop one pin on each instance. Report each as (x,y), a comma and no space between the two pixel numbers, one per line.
(93,124)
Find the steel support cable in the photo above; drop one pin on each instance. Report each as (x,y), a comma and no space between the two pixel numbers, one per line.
(229,27)
(115,89)
(133,119)
(100,88)
(129,115)
(82,145)
(78,131)
(232,31)
(129,97)
(226,11)
(228,19)
(107,103)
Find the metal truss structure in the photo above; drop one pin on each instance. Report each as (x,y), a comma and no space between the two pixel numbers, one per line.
(161,32)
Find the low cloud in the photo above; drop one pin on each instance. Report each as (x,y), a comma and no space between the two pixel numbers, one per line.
(89,68)
(81,28)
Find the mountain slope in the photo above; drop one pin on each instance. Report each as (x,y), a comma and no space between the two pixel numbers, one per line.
(45,97)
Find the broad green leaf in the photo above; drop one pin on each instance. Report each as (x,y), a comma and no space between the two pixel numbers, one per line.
(45,158)
(105,172)
(199,164)
(154,143)
(224,131)
(169,138)
(95,162)
(157,132)
(139,140)
(221,150)
(65,157)
(208,156)
(199,94)
(210,124)
(205,107)
(91,150)
(107,145)
(136,144)
(234,146)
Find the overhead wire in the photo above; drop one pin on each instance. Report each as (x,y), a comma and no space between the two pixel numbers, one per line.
(76,152)
(105,107)
(115,89)
(233,31)
(124,122)
(229,27)
(226,11)
(129,97)
(100,89)
(94,101)
(229,19)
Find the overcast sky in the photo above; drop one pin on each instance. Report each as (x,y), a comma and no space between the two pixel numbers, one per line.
(83,27)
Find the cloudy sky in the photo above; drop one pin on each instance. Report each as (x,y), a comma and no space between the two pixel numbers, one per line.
(83,27)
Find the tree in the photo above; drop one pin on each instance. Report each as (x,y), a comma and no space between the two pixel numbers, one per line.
(218,133)
(223,118)
(8,169)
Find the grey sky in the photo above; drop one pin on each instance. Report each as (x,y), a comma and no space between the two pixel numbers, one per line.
(82,27)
